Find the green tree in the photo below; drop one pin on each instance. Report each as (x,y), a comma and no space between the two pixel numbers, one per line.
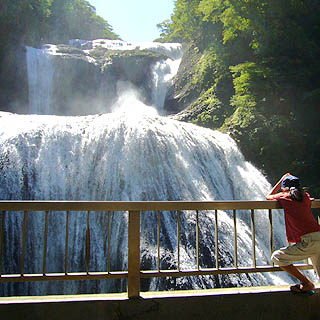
(186,22)
(23,21)
(77,19)
(31,22)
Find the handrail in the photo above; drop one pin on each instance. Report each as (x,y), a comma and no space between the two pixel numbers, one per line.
(31,205)
(134,274)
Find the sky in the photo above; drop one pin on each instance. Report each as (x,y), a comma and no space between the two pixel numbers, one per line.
(134,20)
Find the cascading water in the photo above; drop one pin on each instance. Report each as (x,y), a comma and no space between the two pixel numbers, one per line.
(130,154)
(40,73)
(64,81)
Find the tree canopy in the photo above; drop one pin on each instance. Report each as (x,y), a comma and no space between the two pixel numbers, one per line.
(32,22)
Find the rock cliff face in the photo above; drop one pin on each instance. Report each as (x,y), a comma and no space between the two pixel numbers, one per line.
(82,78)
(13,80)
(184,91)
(71,91)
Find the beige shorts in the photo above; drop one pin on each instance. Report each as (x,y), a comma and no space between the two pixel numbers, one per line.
(309,247)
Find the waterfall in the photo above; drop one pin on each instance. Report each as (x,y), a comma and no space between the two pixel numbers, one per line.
(131,153)
(82,79)
(40,74)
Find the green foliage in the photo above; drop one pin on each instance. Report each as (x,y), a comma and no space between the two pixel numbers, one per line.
(208,111)
(32,22)
(65,49)
(260,58)
(186,23)
(206,69)
(98,52)
(166,34)
(251,83)
(77,19)
(211,112)
(186,19)
(226,13)
(25,19)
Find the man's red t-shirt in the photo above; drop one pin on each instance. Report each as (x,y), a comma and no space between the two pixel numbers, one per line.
(298,216)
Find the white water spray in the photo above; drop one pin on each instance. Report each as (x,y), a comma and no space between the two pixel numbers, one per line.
(40,75)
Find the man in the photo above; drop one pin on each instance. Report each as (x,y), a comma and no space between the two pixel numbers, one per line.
(301,229)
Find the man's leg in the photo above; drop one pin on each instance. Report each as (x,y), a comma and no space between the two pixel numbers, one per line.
(316,264)
(285,257)
(307,284)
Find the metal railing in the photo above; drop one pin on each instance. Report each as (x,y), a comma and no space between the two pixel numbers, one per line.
(134,209)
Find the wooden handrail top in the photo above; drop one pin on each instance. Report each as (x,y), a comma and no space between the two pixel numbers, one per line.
(14,205)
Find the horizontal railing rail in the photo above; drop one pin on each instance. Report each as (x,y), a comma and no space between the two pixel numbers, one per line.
(134,209)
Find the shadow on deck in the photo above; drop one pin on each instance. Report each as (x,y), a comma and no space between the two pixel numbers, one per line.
(258,303)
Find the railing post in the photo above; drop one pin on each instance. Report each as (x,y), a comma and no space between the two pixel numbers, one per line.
(271,233)
(3,217)
(134,254)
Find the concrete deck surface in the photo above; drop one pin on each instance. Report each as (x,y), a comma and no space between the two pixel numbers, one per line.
(258,303)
